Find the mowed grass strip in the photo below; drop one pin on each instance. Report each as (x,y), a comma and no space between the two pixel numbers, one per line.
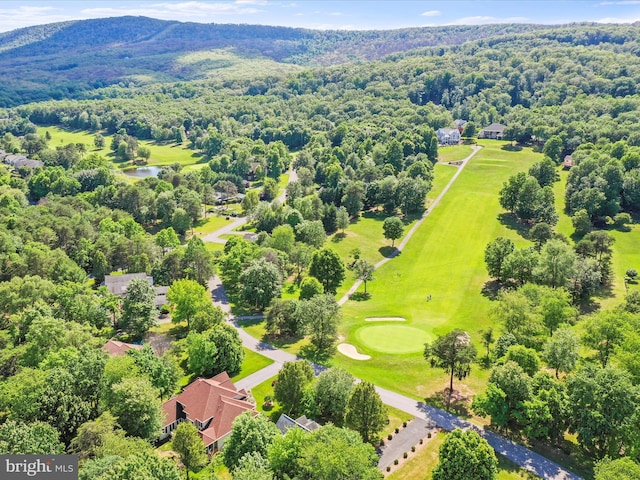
(444,259)
(252,363)
(393,338)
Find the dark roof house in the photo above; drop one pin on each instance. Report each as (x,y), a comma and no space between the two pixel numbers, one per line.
(494,131)
(117,285)
(211,404)
(285,422)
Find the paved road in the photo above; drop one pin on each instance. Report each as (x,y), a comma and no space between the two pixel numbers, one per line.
(518,454)
(415,227)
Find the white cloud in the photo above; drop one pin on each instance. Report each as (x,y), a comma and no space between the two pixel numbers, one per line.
(336,14)
(484,20)
(618,20)
(431,13)
(252,2)
(24,16)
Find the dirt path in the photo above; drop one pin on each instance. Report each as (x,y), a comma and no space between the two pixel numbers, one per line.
(406,239)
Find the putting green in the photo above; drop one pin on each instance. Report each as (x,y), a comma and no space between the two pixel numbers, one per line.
(393,338)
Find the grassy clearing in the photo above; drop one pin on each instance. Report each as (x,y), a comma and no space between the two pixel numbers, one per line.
(454,153)
(251,364)
(210,224)
(445,259)
(161,154)
(257,329)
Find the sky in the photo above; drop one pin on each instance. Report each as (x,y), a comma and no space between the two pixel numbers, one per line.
(336,14)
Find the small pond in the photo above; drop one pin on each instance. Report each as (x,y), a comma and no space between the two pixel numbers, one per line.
(143,172)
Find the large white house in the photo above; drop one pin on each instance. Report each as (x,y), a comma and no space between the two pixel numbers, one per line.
(448,136)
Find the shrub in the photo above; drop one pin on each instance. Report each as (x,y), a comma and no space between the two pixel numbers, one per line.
(413,448)
(397,430)
(388,468)
(395,462)
(389,437)
(429,435)
(405,455)
(404,424)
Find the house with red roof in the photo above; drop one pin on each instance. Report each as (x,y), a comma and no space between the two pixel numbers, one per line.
(211,404)
(116,349)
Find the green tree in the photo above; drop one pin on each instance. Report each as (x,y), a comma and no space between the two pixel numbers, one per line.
(269,189)
(167,238)
(452,352)
(331,453)
(509,388)
(198,261)
(510,191)
(180,220)
(250,202)
(332,390)
(364,271)
(136,405)
(553,148)
(353,198)
(556,264)
(561,350)
(365,412)
(604,332)
(201,354)
(190,447)
(291,383)
(465,455)
(145,464)
(310,287)
(31,438)
(604,410)
(311,232)
(541,233)
(620,469)
(527,358)
(322,316)
(138,308)
(187,297)
(327,266)
(393,229)
(283,238)
(495,254)
(342,219)
(249,434)
(163,372)
(252,466)
(581,222)
(261,283)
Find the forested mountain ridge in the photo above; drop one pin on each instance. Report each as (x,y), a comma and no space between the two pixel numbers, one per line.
(64,59)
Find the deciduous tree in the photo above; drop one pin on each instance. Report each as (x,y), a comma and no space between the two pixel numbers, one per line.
(465,455)
(365,413)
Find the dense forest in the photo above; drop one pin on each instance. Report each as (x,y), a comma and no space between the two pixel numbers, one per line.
(356,117)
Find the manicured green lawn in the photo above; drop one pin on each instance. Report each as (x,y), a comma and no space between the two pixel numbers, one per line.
(252,363)
(257,329)
(444,259)
(393,338)
(453,154)
(210,225)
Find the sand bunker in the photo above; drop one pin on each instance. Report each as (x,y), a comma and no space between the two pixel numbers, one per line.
(385,319)
(350,351)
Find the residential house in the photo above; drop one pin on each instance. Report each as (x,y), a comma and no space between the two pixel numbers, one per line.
(211,404)
(448,136)
(460,124)
(494,131)
(285,422)
(568,162)
(117,285)
(117,349)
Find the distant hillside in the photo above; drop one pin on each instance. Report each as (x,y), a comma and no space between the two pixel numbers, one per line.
(63,60)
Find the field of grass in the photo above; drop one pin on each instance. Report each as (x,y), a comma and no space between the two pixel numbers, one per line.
(210,224)
(445,259)
(161,154)
(453,154)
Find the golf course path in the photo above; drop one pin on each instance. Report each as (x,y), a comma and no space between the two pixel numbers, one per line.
(415,227)
(518,454)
